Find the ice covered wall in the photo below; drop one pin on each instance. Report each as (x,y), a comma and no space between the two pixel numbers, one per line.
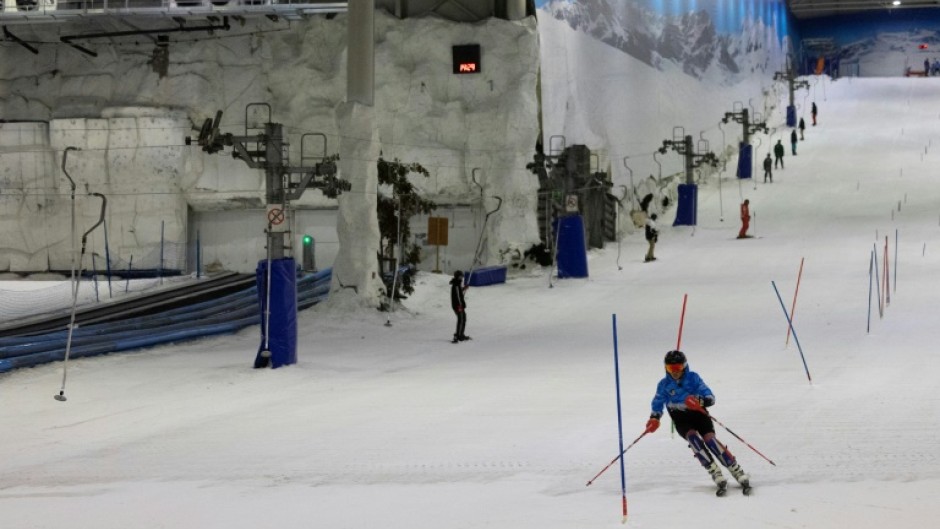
(131,121)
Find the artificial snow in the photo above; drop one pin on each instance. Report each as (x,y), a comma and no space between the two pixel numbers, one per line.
(395,427)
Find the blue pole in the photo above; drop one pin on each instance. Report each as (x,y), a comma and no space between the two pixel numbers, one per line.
(107,258)
(871,279)
(623,475)
(881,312)
(790,323)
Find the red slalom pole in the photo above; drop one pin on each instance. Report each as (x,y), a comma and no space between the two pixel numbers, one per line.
(685,298)
(614,460)
(795,292)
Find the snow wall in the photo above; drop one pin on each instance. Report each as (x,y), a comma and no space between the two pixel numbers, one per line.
(619,77)
(129,113)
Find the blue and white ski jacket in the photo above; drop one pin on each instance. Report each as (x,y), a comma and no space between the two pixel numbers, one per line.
(671,393)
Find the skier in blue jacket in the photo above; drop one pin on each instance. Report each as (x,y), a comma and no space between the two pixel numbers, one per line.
(685,396)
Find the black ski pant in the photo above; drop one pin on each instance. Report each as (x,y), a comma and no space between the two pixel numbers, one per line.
(461,323)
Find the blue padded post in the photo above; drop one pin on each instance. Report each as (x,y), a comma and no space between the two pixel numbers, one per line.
(281,328)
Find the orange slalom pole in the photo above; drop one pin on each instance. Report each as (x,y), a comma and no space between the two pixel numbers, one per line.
(795,292)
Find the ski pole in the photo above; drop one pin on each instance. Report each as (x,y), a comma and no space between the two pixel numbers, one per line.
(614,460)
(739,438)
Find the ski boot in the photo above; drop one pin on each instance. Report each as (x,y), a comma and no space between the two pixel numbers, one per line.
(715,471)
(741,477)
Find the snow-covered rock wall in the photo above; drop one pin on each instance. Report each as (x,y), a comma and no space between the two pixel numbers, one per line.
(130,118)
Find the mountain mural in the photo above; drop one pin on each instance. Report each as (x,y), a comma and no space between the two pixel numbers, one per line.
(690,40)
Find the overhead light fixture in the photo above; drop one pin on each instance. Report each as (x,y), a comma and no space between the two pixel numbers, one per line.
(896,3)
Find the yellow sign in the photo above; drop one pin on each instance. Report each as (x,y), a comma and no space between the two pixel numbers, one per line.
(437,231)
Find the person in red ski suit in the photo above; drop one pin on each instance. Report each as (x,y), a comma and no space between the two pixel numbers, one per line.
(745,218)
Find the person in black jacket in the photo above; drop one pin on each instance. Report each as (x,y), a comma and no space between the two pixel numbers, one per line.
(778,154)
(768,164)
(793,141)
(459,304)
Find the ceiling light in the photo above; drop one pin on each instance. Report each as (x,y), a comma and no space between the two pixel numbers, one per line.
(896,3)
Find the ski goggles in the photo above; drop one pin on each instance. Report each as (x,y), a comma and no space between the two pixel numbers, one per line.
(675,369)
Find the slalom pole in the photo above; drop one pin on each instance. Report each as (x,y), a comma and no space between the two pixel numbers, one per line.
(614,460)
(895,260)
(881,310)
(685,298)
(871,279)
(795,337)
(795,292)
(887,275)
(623,476)
(712,417)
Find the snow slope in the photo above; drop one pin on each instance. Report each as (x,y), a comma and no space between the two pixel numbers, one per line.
(395,427)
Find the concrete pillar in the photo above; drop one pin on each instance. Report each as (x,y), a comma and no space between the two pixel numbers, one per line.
(360,57)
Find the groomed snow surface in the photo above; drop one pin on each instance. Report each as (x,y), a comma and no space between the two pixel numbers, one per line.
(395,427)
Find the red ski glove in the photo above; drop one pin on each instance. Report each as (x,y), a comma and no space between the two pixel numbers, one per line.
(694,403)
(652,425)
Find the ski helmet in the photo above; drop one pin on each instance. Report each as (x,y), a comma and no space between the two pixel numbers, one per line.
(675,357)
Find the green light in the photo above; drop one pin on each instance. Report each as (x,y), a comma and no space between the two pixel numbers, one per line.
(307,239)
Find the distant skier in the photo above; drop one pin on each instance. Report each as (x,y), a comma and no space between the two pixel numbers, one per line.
(768,165)
(745,219)
(652,235)
(685,397)
(814,111)
(459,304)
(778,154)
(802,128)
(793,141)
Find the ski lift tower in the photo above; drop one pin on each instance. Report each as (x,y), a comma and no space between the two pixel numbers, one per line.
(742,116)
(687,208)
(790,77)
(276,274)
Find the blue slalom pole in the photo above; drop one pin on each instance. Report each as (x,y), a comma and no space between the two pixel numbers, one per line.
(871,279)
(881,310)
(623,475)
(795,338)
